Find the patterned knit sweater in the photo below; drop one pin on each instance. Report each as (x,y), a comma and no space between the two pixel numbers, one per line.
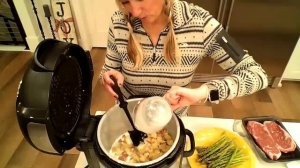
(195,31)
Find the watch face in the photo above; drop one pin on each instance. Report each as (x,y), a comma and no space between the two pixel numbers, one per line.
(214,95)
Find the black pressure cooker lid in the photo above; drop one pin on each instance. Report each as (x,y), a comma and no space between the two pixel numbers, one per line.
(65,96)
(54,96)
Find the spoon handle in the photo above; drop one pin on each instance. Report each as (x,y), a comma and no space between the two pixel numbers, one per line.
(123,104)
(117,89)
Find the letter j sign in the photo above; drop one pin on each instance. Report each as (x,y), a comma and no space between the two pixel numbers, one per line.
(64,23)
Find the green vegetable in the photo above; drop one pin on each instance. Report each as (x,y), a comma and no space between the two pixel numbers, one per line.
(221,154)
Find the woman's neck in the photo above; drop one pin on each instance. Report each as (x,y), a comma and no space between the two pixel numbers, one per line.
(160,21)
(154,29)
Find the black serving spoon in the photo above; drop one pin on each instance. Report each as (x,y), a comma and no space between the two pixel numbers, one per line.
(136,135)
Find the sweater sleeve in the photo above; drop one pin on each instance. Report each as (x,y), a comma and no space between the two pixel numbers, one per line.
(112,57)
(245,77)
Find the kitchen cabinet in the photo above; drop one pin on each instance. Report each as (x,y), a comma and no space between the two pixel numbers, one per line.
(292,69)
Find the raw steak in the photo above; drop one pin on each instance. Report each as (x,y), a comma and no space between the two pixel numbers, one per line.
(283,140)
(264,139)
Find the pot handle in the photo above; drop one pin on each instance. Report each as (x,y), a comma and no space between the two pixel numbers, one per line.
(192,143)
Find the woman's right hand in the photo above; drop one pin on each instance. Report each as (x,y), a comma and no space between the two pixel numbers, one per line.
(108,82)
(179,97)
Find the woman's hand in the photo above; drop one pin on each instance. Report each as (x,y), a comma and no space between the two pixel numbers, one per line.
(181,97)
(108,82)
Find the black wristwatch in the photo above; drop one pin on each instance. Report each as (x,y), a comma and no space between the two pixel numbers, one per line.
(213,96)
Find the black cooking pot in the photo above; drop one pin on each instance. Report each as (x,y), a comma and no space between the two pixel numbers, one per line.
(53,110)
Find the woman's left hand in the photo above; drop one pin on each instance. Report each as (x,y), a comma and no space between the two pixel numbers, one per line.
(108,82)
(180,97)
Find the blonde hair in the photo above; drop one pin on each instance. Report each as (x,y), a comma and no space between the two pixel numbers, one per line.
(134,49)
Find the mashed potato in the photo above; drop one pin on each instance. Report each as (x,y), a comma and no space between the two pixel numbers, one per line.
(155,145)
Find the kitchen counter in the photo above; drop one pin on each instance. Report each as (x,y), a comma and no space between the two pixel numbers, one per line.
(196,123)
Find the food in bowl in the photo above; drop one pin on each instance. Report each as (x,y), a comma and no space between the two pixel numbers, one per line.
(154,146)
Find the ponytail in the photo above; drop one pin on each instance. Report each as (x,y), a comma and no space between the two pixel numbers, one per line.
(134,49)
(171,49)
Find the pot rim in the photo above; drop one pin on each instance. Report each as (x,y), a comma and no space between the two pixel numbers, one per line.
(175,143)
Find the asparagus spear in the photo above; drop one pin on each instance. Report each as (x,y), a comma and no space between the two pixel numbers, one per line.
(212,147)
(221,154)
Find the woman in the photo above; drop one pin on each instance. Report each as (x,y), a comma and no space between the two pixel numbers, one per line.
(155,46)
